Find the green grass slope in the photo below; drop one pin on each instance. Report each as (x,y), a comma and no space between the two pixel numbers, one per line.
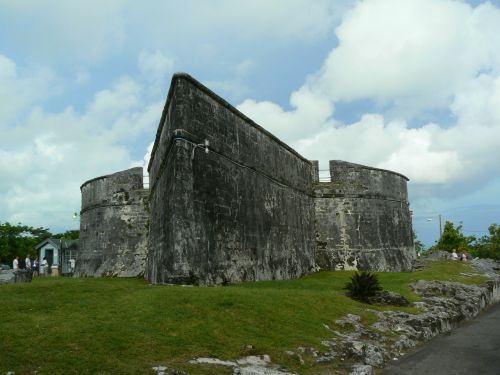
(86,325)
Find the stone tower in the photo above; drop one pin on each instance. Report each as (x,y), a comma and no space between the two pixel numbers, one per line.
(363,219)
(113,226)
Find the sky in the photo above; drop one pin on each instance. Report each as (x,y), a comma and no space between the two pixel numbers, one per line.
(411,86)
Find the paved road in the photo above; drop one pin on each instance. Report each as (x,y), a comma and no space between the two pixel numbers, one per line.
(473,348)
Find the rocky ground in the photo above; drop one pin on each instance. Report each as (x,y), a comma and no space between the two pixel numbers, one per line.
(15,276)
(357,349)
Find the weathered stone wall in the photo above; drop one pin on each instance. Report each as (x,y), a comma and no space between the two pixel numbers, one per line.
(242,211)
(113,226)
(363,219)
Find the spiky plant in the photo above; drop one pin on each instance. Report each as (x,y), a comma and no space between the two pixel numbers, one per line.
(363,285)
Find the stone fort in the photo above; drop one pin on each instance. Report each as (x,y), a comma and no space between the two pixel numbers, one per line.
(227,202)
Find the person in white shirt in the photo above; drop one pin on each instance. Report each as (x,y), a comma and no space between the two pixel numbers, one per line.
(15,263)
(27,261)
(454,255)
(72,265)
(44,267)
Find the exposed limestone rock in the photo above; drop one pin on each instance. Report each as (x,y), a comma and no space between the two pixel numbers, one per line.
(15,276)
(445,304)
(160,370)
(163,370)
(404,343)
(251,365)
(259,370)
(373,355)
(212,361)
(438,255)
(253,360)
(362,370)
(387,298)
(489,267)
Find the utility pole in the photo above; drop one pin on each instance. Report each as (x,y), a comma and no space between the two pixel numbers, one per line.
(440,227)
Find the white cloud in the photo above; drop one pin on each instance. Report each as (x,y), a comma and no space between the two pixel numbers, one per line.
(416,156)
(155,66)
(243,68)
(45,159)
(109,103)
(82,76)
(413,56)
(310,114)
(282,20)
(85,30)
(92,31)
(144,163)
(479,102)
(18,93)
(391,146)
(233,86)
(229,88)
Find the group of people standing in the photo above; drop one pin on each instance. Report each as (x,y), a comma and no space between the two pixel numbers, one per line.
(35,267)
(461,256)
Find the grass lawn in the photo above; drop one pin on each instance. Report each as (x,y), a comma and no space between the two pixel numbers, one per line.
(87,325)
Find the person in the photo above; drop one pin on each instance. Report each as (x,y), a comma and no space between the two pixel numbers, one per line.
(454,255)
(15,263)
(27,262)
(44,269)
(464,257)
(72,265)
(36,265)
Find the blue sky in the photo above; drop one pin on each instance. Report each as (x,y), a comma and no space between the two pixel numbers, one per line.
(406,85)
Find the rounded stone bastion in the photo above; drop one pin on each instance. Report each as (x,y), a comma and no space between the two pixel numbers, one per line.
(363,220)
(113,225)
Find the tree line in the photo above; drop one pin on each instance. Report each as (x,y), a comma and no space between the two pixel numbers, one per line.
(453,238)
(21,240)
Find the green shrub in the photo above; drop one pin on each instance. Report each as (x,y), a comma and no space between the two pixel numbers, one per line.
(363,285)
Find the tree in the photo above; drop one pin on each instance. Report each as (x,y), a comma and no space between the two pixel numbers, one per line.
(68,235)
(419,245)
(453,238)
(19,240)
(488,246)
